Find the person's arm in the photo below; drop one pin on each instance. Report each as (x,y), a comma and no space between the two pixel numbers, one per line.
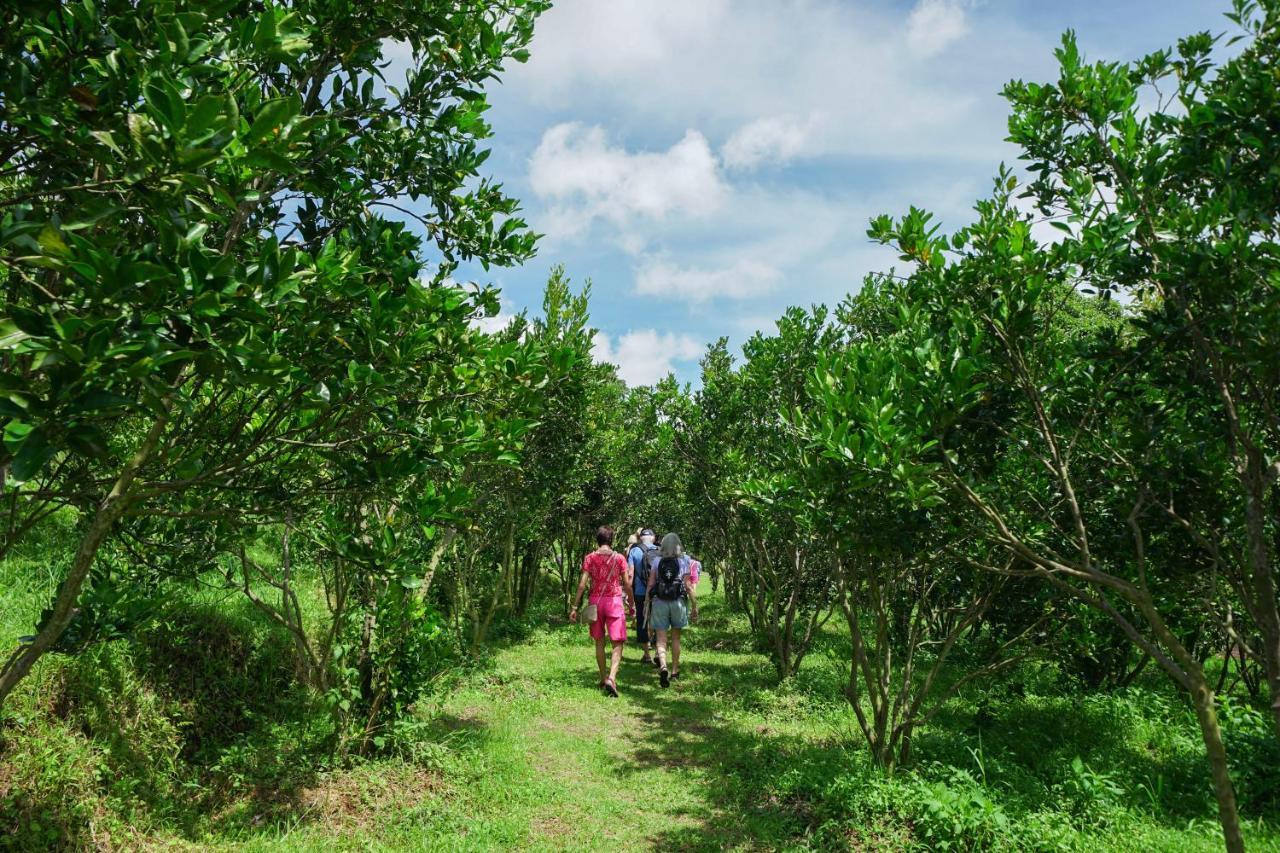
(631,596)
(630,587)
(582,584)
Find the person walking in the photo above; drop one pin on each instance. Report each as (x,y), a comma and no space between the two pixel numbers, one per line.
(636,554)
(610,578)
(672,603)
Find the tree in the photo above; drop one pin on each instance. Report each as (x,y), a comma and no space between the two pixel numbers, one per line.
(914,606)
(199,282)
(1180,208)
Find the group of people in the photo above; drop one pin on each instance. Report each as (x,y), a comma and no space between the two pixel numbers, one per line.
(654,582)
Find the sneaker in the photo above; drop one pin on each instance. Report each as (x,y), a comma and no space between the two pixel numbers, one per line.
(665,677)
(611,689)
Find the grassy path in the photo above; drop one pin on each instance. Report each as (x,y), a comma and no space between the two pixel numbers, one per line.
(556,765)
(535,757)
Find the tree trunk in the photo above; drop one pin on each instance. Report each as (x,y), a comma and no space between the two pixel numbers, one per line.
(110,511)
(1202,698)
(436,556)
(482,626)
(364,664)
(904,748)
(1265,608)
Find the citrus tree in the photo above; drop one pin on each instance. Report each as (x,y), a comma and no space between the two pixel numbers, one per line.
(202,290)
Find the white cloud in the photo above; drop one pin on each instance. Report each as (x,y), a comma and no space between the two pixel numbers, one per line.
(934,24)
(644,356)
(583,178)
(776,139)
(498,322)
(741,280)
(493,325)
(658,67)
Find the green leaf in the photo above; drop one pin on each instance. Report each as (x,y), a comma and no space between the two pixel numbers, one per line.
(194,233)
(272,116)
(32,457)
(15,434)
(51,242)
(10,334)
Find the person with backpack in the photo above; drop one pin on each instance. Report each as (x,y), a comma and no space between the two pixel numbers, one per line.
(610,577)
(672,602)
(636,555)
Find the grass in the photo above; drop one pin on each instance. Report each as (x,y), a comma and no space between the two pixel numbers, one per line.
(191,736)
(536,758)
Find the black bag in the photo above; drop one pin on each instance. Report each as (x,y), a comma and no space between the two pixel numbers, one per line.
(670,585)
(648,557)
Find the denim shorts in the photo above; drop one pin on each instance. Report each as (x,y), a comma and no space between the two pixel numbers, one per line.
(665,615)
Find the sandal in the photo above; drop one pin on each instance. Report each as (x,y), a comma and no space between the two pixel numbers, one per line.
(611,688)
(665,677)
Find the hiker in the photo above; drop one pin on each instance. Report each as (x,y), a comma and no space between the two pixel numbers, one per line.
(672,602)
(610,578)
(636,554)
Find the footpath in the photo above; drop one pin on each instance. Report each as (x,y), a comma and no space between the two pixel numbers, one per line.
(555,765)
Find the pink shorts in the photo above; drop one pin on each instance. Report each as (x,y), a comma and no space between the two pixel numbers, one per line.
(610,614)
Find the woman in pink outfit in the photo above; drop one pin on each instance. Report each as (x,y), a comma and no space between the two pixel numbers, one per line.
(610,578)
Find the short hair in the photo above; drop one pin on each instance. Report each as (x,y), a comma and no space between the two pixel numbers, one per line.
(604,535)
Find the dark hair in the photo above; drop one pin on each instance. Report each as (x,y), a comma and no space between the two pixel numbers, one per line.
(604,535)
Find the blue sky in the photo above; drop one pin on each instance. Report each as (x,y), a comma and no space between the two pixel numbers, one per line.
(706,163)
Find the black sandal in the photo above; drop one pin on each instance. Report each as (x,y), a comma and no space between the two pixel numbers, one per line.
(611,688)
(665,677)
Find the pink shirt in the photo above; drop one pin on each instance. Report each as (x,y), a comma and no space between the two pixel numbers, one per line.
(607,572)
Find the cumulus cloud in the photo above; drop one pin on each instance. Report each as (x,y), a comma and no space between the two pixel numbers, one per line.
(498,322)
(741,280)
(583,178)
(492,325)
(776,139)
(717,66)
(643,356)
(934,24)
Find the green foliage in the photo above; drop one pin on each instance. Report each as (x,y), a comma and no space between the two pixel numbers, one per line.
(205,302)
(286,501)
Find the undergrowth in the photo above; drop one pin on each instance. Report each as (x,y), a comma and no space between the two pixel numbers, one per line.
(192,729)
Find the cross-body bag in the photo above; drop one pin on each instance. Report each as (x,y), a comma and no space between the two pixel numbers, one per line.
(591,612)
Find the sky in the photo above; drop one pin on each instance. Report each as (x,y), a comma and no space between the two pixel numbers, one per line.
(707,163)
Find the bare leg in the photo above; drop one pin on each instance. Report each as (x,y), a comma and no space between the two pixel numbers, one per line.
(617,659)
(600,657)
(662,649)
(675,650)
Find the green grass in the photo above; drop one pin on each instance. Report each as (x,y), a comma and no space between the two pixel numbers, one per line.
(191,736)
(534,757)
